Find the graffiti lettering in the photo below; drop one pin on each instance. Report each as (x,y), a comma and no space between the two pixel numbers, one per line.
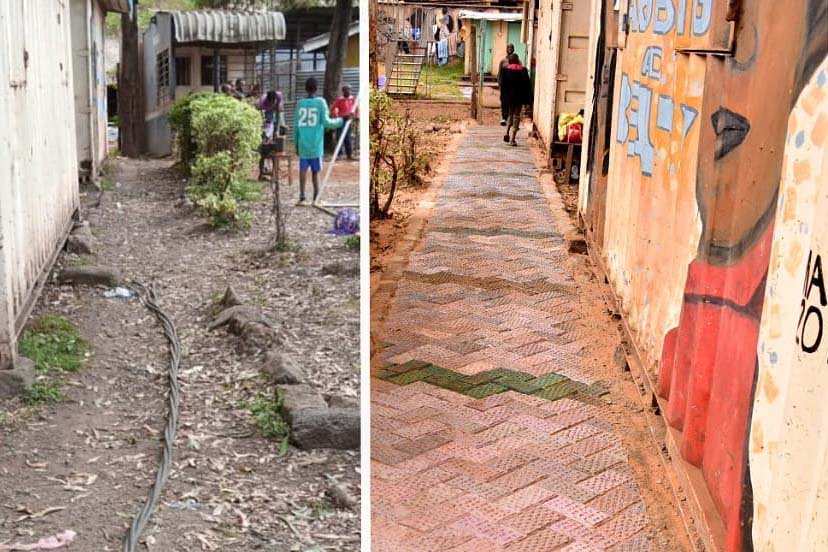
(651,66)
(638,116)
(809,327)
(665,16)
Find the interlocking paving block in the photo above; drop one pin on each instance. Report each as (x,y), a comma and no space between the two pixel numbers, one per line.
(514,375)
(489,375)
(475,526)
(413,365)
(548,380)
(406,378)
(597,389)
(485,390)
(526,387)
(558,390)
(544,539)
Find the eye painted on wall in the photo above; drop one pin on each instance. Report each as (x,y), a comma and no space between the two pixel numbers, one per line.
(730,128)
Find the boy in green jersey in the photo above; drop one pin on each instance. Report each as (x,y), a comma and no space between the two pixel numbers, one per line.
(309,126)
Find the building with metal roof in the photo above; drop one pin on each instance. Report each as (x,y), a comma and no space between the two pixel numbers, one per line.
(198,51)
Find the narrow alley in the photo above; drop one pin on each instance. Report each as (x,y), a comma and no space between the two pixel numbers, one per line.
(499,421)
(89,459)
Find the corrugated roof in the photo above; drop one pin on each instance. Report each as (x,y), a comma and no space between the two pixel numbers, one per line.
(321,41)
(228,26)
(122,6)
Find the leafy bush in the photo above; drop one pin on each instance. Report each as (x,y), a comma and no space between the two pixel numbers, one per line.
(395,159)
(180,119)
(217,139)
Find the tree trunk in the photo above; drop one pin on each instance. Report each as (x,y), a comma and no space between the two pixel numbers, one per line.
(373,75)
(337,49)
(131,87)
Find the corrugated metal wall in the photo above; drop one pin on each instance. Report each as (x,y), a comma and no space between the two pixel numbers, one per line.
(546,59)
(350,75)
(702,94)
(789,431)
(38,160)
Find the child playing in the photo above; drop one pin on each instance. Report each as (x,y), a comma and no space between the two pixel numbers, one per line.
(309,126)
(342,107)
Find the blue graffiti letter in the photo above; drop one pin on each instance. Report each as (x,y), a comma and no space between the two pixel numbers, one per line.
(642,147)
(651,66)
(666,9)
(623,129)
(702,10)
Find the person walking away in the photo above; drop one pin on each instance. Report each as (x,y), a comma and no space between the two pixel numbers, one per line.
(510,49)
(310,121)
(273,122)
(516,92)
(345,106)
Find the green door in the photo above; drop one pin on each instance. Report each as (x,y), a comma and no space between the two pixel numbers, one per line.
(513,37)
(488,45)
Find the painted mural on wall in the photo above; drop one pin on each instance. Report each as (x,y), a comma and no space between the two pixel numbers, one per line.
(703,94)
(789,430)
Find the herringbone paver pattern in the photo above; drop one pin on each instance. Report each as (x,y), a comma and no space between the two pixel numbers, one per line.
(487,429)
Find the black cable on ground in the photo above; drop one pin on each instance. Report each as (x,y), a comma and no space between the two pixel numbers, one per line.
(150,299)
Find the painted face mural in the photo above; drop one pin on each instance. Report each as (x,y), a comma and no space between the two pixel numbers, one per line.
(709,360)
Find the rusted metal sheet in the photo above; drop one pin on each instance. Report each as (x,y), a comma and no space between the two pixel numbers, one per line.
(692,188)
(227,26)
(789,429)
(38,160)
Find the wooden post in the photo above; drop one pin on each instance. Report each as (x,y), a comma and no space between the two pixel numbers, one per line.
(216,70)
(337,49)
(373,75)
(131,87)
(472,46)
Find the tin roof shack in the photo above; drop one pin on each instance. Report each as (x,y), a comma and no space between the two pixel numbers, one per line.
(89,77)
(320,44)
(38,160)
(198,50)
(495,30)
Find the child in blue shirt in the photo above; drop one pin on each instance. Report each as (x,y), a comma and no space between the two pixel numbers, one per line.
(309,126)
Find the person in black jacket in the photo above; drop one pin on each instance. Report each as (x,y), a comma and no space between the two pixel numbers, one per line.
(510,49)
(516,92)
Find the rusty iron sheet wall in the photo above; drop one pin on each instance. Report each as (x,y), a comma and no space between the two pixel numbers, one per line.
(38,160)
(789,430)
(703,91)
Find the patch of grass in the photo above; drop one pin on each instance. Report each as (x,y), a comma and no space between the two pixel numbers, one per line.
(84,260)
(443,81)
(288,246)
(107,184)
(43,391)
(267,413)
(248,190)
(53,344)
(352,243)
(322,508)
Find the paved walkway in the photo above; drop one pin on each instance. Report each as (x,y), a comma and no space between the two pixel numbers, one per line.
(487,429)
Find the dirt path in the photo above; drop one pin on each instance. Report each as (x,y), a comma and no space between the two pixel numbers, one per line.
(95,453)
(499,420)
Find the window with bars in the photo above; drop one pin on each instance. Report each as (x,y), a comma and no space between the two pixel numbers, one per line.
(207,70)
(182,71)
(162,67)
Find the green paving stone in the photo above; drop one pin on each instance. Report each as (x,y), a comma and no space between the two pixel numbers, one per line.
(435,370)
(525,387)
(414,365)
(459,386)
(383,373)
(489,375)
(485,390)
(408,377)
(548,380)
(596,390)
(515,376)
(558,391)
(588,399)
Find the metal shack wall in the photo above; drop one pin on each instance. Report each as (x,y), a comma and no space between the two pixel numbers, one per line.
(703,90)
(89,83)
(547,42)
(789,430)
(38,160)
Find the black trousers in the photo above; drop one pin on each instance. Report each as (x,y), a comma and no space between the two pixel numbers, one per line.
(504,110)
